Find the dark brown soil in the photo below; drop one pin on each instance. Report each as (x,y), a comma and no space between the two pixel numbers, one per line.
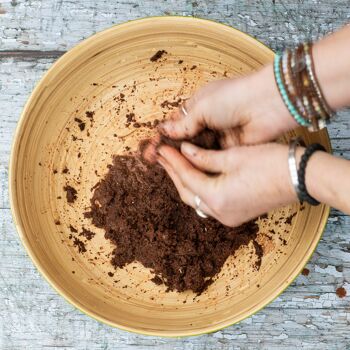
(79,244)
(81,124)
(140,210)
(171,104)
(207,139)
(71,193)
(158,55)
(73,229)
(305,272)
(341,292)
(90,114)
(87,234)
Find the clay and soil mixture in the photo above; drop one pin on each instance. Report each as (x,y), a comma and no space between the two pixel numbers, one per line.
(138,207)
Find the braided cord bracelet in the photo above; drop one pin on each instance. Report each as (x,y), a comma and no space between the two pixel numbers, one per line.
(303,194)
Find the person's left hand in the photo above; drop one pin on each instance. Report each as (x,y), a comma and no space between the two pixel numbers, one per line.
(249,180)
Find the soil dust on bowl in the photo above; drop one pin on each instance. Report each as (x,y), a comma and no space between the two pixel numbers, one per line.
(93,108)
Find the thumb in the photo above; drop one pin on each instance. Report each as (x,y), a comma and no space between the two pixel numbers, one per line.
(206,160)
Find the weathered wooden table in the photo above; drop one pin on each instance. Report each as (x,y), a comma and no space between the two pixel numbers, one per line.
(33,34)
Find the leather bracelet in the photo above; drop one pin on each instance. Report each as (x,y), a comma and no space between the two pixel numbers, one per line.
(311,72)
(303,194)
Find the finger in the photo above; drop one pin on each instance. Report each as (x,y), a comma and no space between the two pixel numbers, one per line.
(148,149)
(231,137)
(206,160)
(185,194)
(190,177)
(184,123)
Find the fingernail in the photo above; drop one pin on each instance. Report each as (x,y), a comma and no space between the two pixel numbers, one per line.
(188,149)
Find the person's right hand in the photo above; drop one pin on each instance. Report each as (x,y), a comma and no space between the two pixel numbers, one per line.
(249,181)
(248,110)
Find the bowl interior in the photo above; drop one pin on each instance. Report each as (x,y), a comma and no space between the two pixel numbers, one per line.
(58,143)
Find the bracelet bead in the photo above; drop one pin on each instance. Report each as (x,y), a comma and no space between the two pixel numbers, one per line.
(299,88)
(299,119)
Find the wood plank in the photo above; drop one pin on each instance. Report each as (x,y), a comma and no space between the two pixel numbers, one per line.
(17,80)
(30,54)
(307,313)
(61,24)
(18,77)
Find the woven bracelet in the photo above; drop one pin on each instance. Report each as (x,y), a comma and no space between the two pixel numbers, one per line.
(303,194)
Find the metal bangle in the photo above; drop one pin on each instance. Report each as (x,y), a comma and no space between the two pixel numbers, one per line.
(292,163)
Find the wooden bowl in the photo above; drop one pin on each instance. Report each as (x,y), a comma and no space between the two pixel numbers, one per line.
(51,150)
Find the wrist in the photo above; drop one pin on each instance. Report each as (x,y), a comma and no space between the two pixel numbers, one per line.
(331,59)
(266,106)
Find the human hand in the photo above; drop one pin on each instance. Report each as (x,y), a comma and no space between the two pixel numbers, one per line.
(250,180)
(248,110)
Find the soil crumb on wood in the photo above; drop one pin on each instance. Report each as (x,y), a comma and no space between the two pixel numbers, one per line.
(341,292)
(305,272)
(87,234)
(79,244)
(71,193)
(81,124)
(158,55)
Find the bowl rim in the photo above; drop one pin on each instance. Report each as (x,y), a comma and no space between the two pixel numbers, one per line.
(18,223)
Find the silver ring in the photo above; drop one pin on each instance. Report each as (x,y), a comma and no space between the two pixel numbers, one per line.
(199,212)
(183,110)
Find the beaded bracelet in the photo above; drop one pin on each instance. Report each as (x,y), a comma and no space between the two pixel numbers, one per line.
(281,88)
(303,194)
(299,88)
(311,72)
(304,84)
(288,59)
(309,90)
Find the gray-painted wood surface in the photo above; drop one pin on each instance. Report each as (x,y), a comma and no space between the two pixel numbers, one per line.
(33,33)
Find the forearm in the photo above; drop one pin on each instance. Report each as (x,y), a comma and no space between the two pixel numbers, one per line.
(332,67)
(327,179)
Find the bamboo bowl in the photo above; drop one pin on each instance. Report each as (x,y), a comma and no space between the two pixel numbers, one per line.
(50,150)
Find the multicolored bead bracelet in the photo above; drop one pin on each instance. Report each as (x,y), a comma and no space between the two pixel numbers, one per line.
(299,88)
(291,108)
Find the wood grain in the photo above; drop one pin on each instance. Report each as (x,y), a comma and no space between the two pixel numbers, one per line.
(30,54)
(39,318)
(60,24)
(307,314)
